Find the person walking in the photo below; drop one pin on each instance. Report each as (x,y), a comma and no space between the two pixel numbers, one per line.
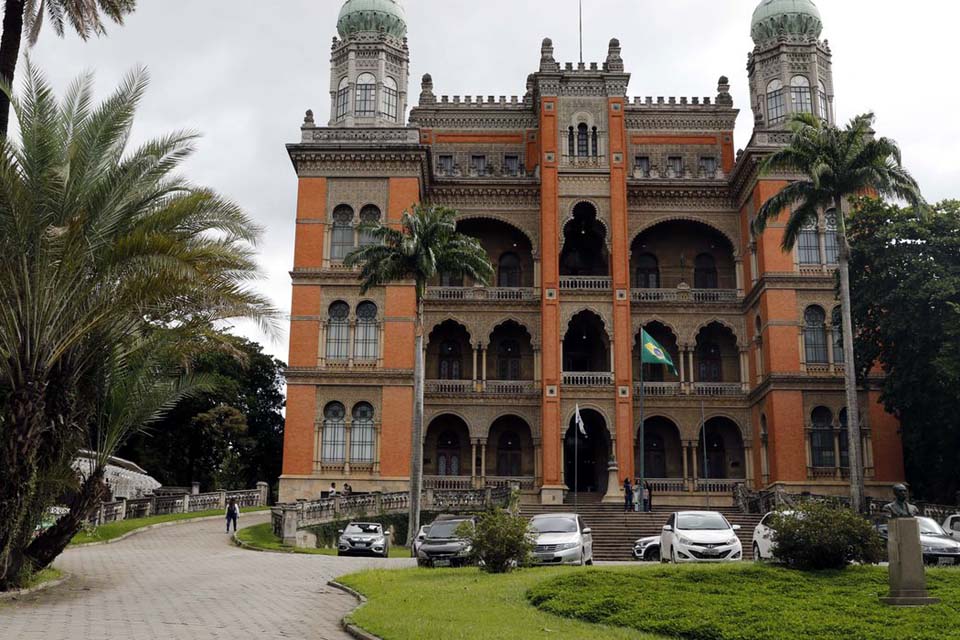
(233,514)
(627,495)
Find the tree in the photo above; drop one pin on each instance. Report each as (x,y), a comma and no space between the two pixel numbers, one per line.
(83,15)
(836,164)
(905,276)
(103,245)
(426,244)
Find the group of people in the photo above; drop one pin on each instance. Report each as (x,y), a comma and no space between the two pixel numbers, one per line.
(637,496)
(347,490)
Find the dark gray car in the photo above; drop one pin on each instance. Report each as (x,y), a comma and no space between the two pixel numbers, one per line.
(443,547)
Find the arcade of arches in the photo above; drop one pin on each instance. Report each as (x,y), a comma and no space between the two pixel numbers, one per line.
(678,464)
(453,458)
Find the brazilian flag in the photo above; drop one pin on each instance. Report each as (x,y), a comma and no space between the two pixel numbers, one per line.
(652,353)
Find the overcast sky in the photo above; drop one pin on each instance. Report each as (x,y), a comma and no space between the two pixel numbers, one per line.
(242,72)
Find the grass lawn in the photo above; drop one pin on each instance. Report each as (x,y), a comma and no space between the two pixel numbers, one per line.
(466,604)
(750,602)
(46,575)
(113,530)
(261,537)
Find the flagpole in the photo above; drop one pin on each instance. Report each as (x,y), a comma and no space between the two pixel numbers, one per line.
(581,30)
(576,465)
(643,430)
(706,470)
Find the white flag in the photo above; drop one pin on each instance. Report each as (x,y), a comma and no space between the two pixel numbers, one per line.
(579,421)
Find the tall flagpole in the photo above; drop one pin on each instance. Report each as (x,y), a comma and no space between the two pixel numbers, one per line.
(643,430)
(581,31)
(576,465)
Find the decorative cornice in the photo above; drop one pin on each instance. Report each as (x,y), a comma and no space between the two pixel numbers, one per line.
(486,195)
(671,195)
(675,118)
(365,377)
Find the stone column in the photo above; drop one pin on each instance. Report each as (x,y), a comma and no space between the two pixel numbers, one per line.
(836,454)
(748,466)
(822,239)
(744,370)
(473,460)
(322,345)
(350,336)
(686,469)
(536,365)
(483,369)
(483,460)
(738,266)
(264,490)
(683,367)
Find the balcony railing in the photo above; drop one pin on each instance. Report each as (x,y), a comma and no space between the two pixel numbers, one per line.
(702,296)
(488,387)
(825,369)
(586,283)
(717,486)
(462,483)
(450,387)
(481,294)
(585,162)
(511,387)
(658,389)
(588,379)
(718,389)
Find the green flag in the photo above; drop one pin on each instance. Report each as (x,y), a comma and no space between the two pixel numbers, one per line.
(652,353)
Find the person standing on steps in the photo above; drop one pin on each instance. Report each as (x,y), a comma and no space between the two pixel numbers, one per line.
(637,495)
(647,498)
(233,514)
(627,495)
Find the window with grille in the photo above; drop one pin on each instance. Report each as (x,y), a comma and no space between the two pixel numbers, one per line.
(675,167)
(815,336)
(509,455)
(343,99)
(595,142)
(445,165)
(369,215)
(334,435)
(366,341)
(362,434)
(451,362)
(508,272)
(389,101)
(831,239)
(800,94)
(449,279)
(648,272)
(338,331)
(824,102)
(366,102)
(571,143)
(341,238)
(508,360)
(448,454)
(511,165)
(583,141)
(705,274)
(708,166)
(709,363)
(808,246)
(478,165)
(837,321)
(642,164)
(844,440)
(776,108)
(821,438)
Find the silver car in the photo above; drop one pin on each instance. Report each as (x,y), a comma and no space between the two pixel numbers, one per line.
(364,538)
(561,538)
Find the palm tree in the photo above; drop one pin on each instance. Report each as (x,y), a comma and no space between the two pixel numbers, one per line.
(426,244)
(836,164)
(83,15)
(101,245)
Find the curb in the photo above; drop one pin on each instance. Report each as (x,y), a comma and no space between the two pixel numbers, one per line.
(346,623)
(159,525)
(14,595)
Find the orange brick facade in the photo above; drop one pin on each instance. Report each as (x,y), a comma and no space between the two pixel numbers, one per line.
(602,214)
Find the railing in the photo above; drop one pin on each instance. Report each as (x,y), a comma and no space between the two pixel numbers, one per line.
(702,296)
(511,387)
(658,389)
(204,502)
(667,485)
(816,473)
(716,486)
(585,162)
(482,294)
(111,511)
(168,503)
(448,482)
(454,387)
(587,379)
(825,369)
(526,483)
(464,483)
(585,283)
(717,389)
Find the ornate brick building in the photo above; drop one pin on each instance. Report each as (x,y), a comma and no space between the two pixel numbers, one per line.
(602,214)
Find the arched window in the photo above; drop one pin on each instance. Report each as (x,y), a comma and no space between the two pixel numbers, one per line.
(366,341)
(369,215)
(824,102)
(338,331)
(705,272)
(763,426)
(836,319)
(334,435)
(583,141)
(341,238)
(571,143)
(451,361)
(448,454)
(821,438)
(808,245)
(776,108)
(508,273)
(343,98)
(362,434)
(844,441)
(594,142)
(366,102)
(709,363)
(831,239)
(759,338)
(508,360)
(800,94)
(509,455)
(815,335)
(390,100)
(648,272)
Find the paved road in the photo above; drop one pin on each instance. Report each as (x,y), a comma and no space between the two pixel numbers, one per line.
(187,582)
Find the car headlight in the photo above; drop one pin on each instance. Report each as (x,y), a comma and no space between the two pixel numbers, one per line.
(685,540)
(567,545)
(928,549)
(465,550)
(733,540)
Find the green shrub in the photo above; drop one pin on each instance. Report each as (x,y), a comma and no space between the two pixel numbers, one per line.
(499,541)
(817,535)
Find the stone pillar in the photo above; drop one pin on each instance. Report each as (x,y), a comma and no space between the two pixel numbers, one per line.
(222,498)
(536,365)
(693,376)
(836,454)
(264,490)
(483,369)
(194,488)
(473,460)
(475,349)
(289,524)
(908,583)
(186,503)
(483,460)
(683,368)
(738,268)
(686,463)
(744,370)
(614,490)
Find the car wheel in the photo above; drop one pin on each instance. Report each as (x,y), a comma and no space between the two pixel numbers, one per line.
(653,555)
(756,553)
(673,556)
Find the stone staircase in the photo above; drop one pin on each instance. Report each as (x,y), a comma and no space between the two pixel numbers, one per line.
(615,531)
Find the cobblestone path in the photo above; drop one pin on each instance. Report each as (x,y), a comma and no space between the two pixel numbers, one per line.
(187,582)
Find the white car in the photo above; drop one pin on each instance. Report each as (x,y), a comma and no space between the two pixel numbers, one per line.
(421,536)
(561,538)
(699,536)
(763,533)
(647,549)
(952,526)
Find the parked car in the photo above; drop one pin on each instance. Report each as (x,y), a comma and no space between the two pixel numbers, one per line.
(421,536)
(763,534)
(364,538)
(699,536)
(647,549)
(938,547)
(952,526)
(561,538)
(442,546)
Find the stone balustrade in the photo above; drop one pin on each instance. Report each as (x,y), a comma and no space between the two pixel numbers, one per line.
(481,294)
(127,509)
(586,283)
(700,296)
(658,389)
(588,379)
(718,389)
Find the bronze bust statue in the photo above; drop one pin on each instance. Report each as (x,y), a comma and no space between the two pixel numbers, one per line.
(900,508)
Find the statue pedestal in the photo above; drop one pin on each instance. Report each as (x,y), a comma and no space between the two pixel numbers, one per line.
(908,582)
(614,493)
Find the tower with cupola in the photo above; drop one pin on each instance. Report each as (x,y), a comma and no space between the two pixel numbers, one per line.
(369,65)
(790,68)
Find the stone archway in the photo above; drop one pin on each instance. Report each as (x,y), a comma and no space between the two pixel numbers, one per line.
(585,457)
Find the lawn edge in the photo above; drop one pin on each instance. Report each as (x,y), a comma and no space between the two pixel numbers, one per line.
(149,527)
(43,586)
(346,622)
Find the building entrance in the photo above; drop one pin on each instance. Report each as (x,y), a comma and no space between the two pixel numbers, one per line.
(586,457)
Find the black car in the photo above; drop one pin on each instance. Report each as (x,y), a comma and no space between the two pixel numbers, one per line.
(364,538)
(443,547)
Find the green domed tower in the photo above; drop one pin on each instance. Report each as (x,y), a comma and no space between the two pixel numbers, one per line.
(790,67)
(369,65)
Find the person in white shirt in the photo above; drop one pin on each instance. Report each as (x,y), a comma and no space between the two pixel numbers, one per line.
(233,514)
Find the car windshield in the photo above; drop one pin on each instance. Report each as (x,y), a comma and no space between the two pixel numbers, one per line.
(445,529)
(702,522)
(554,525)
(929,527)
(356,529)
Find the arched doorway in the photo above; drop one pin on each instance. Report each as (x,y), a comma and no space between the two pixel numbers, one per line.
(510,448)
(449,352)
(663,456)
(724,457)
(585,457)
(586,346)
(584,244)
(446,447)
